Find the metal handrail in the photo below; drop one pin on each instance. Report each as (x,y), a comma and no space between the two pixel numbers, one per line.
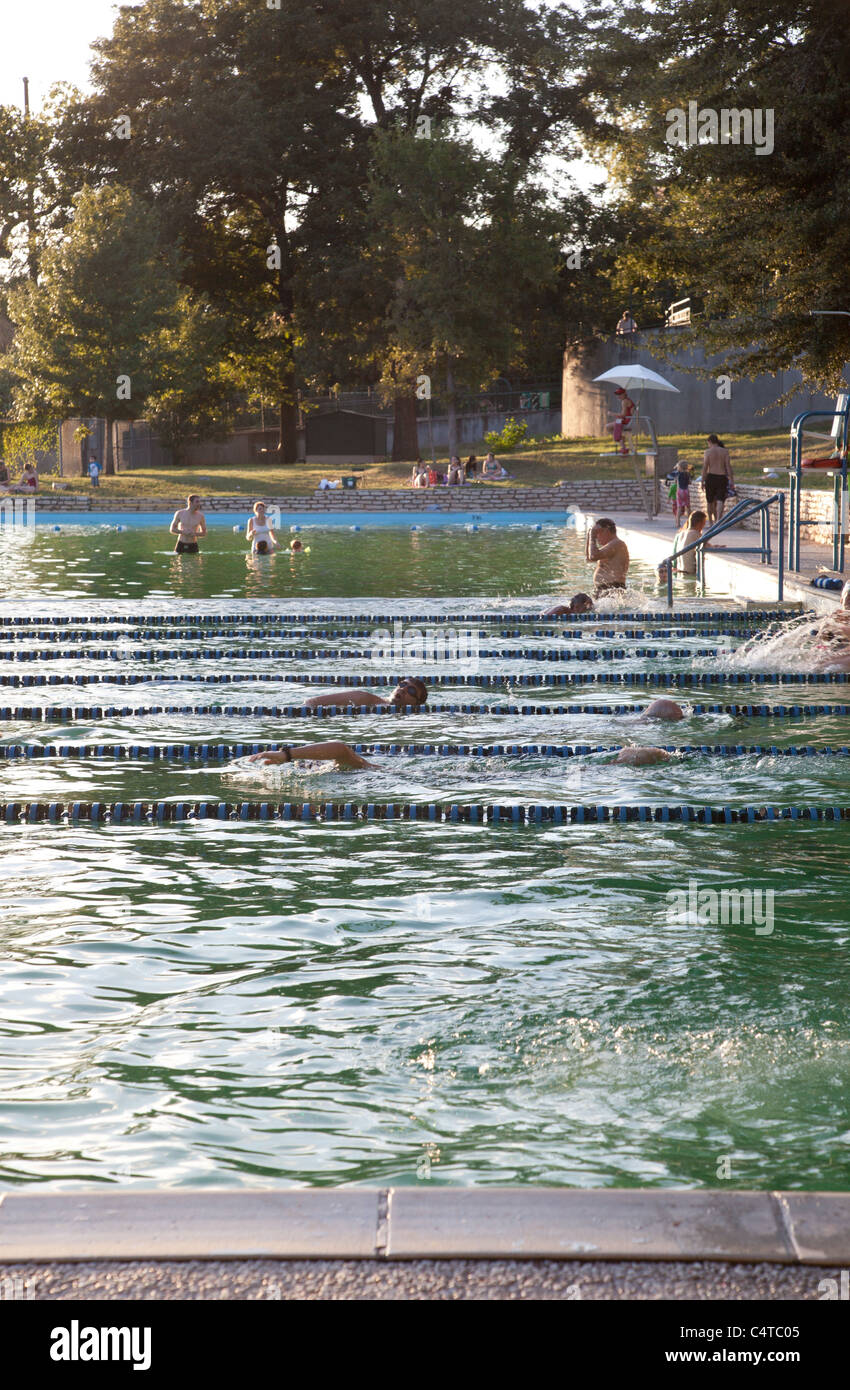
(795,482)
(748,506)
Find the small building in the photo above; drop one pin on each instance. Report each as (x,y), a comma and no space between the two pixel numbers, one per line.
(340,437)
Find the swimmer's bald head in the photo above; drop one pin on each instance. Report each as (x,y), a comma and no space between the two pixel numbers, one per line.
(663,709)
(635,756)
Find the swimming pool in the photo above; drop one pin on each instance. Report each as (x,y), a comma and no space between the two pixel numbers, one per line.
(248,1002)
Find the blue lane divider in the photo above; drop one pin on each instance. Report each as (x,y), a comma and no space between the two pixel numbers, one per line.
(185,634)
(487,681)
(155,654)
(148,620)
(205,752)
(71,714)
(170,812)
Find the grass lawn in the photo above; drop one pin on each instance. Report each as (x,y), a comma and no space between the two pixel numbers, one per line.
(545,462)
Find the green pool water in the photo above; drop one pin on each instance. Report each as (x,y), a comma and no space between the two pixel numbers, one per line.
(211,1004)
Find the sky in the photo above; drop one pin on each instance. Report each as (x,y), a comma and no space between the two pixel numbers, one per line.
(48,41)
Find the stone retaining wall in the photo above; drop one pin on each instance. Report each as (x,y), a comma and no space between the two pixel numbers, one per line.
(590,494)
(611,494)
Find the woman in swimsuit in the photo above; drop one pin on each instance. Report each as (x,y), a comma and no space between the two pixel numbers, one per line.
(259,533)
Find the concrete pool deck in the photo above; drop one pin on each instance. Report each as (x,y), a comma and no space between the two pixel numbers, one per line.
(412,1223)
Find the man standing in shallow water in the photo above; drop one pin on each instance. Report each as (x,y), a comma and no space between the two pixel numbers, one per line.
(610,555)
(188,525)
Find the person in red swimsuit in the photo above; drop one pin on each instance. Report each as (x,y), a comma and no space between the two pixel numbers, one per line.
(620,423)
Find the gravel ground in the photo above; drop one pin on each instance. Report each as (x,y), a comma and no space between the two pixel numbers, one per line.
(457,1280)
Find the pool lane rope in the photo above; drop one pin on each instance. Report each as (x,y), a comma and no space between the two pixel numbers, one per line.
(156,654)
(220,752)
(74,714)
(742,616)
(184,634)
(661,679)
(170,812)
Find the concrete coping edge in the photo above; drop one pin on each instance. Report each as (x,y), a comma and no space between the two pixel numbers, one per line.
(433,1223)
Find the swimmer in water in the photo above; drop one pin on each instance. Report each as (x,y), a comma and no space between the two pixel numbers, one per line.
(579,603)
(408,692)
(297,548)
(259,532)
(636,756)
(339,753)
(834,637)
(663,709)
(188,525)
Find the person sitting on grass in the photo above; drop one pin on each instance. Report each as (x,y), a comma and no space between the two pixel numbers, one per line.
(579,603)
(410,691)
(491,468)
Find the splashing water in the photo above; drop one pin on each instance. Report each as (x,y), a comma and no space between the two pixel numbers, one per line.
(789,646)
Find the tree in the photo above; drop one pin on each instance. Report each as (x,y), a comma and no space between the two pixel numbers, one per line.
(89,337)
(759,231)
(241,111)
(471,252)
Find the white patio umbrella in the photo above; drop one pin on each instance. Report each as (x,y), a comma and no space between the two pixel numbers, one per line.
(637,378)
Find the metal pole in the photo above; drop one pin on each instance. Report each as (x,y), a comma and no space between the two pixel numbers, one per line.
(836,518)
(781,556)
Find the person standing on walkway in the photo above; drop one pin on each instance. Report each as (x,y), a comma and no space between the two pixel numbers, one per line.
(94,472)
(716,477)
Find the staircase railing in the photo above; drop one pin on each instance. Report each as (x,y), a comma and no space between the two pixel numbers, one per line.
(747,507)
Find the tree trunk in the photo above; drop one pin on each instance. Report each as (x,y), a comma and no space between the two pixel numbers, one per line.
(405,429)
(109,457)
(287,432)
(451,408)
(82,467)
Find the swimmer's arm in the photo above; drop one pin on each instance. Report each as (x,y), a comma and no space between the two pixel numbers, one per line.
(339,753)
(249,529)
(273,539)
(174,528)
(600,552)
(202,526)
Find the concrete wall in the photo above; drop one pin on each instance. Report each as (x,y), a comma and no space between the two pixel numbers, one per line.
(586,405)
